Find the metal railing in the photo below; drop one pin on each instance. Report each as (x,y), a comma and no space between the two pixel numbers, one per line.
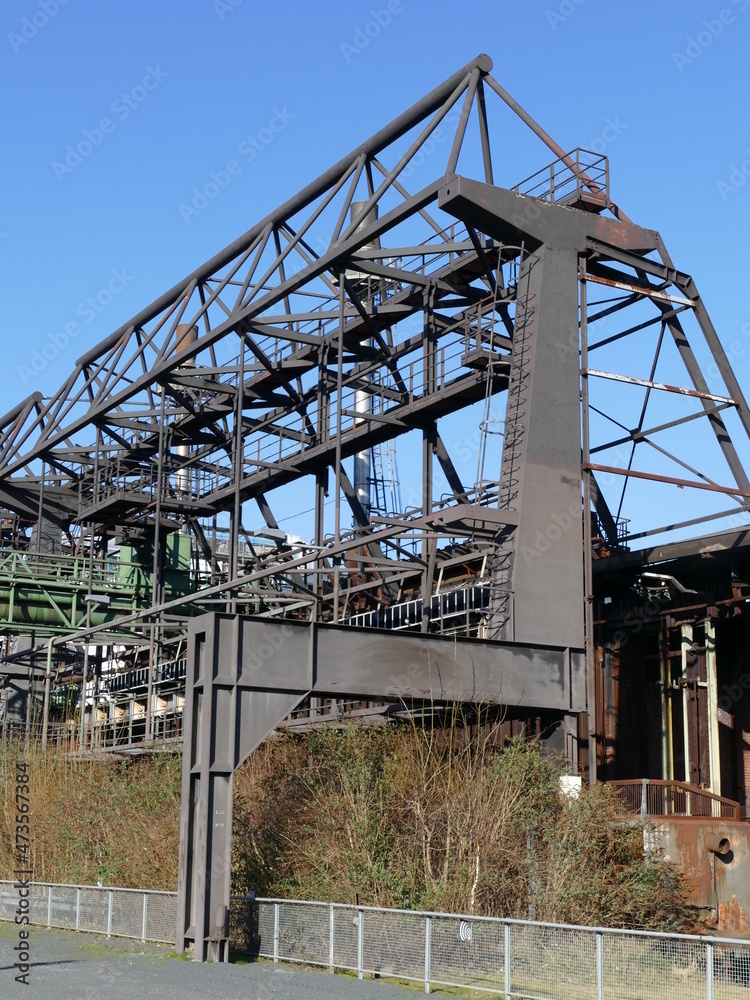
(143,914)
(659,798)
(579,172)
(514,958)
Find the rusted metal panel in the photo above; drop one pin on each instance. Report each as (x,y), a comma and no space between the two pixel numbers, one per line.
(720,883)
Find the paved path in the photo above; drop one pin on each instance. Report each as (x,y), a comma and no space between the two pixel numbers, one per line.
(69,966)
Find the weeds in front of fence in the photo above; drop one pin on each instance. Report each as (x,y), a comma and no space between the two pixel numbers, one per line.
(108,820)
(406,816)
(431,819)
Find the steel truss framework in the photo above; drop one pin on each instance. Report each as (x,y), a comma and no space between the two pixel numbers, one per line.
(358,313)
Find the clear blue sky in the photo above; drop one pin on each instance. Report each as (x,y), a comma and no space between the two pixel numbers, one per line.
(184,84)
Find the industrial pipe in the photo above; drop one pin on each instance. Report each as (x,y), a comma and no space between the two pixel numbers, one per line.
(717,844)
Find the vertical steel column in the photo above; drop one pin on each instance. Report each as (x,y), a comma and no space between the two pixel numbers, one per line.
(427,578)
(228,712)
(427,946)
(47,681)
(686,639)
(239,467)
(321,491)
(339,404)
(360,943)
(429,431)
(331,940)
(506,956)
(541,467)
(667,748)
(321,481)
(40,517)
(154,644)
(84,682)
(714,756)
(588,576)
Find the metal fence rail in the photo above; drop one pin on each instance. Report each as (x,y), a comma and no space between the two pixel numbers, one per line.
(658,797)
(142,914)
(512,958)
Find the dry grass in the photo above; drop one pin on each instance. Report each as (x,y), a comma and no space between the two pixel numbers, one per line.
(90,820)
(402,816)
(440,820)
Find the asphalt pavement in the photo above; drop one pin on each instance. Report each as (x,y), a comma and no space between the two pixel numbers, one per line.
(64,965)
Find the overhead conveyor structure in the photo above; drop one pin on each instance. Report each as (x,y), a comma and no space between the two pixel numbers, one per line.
(399,297)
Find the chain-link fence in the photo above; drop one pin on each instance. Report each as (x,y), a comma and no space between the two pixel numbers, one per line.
(514,958)
(132,913)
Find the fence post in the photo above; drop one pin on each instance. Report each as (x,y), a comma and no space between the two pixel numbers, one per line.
(360,927)
(49,906)
(506,955)
(78,908)
(109,913)
(427,943)
(599,966)
(275,932)
(145,915)
(709,970)
(331,927)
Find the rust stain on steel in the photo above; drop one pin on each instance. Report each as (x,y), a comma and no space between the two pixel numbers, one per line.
(632,380)
(652,293)
(720,885)
(730,490)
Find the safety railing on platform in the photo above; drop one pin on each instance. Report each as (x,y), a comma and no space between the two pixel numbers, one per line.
(110,734)
(659,798)
(580,172)
(514,958)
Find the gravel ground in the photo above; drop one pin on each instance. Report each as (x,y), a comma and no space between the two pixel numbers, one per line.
(69,966)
